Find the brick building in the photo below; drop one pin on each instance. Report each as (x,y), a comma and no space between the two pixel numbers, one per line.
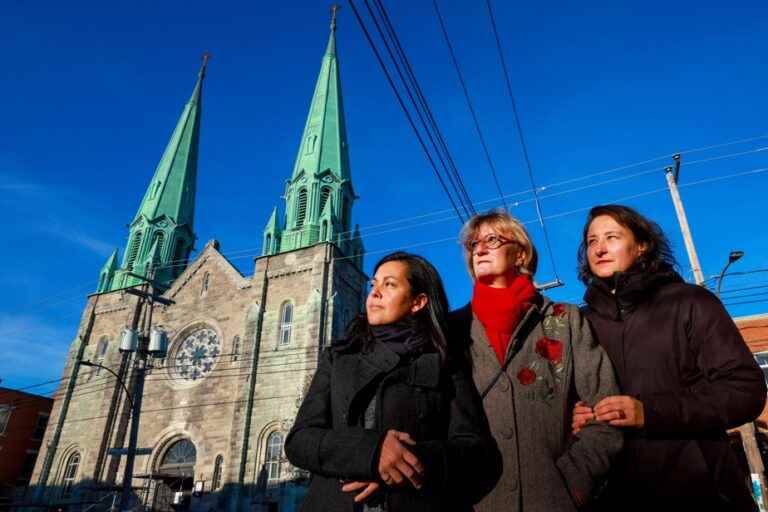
(242,348)
(754,329)
(23,418)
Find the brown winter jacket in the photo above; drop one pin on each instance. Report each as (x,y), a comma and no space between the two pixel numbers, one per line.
(553,362)
(676,349)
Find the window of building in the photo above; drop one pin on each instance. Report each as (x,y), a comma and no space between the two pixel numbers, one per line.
(235,348)
(286,323)
(273,458)
(179,257)
(180,459)
(762,360)
(159,239)
(325,193)
(42,423)
(134,252)
(301,208)
(206,283)
(70,475)
(216,480)
(5,416)
(324,230)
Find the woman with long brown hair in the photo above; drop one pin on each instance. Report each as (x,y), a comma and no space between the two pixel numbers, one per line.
(685,373)
(392,421)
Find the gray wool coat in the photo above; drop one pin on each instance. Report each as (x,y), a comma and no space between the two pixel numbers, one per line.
(553,362)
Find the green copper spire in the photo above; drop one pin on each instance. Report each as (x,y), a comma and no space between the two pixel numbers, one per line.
(161,234)
(319,195)
(107,273)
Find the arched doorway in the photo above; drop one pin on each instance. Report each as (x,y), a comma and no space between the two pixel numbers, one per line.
(175,475)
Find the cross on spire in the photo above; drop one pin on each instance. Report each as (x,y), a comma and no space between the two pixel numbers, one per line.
(205,58)
(334,9)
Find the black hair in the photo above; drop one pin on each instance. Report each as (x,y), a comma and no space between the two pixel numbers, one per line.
(423,278)
(657,255)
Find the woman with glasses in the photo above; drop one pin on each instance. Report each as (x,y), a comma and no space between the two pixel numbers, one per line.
(392,421)
(532,360)
(685,372)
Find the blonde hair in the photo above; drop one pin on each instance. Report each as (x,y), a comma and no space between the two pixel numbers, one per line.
(507,226)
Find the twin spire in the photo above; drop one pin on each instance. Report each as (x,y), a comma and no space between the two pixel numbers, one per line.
(318,197)
(319,194)
(161,234)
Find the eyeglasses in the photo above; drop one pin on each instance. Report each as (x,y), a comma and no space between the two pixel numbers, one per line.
(491,241)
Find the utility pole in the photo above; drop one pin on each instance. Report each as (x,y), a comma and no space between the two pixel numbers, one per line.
(672,175)
(142,350)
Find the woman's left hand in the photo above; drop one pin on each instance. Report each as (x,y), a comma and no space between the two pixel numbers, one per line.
(620,411)
(368,488)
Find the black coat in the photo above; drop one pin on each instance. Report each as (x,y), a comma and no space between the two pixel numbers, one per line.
(676,349)
(437,405)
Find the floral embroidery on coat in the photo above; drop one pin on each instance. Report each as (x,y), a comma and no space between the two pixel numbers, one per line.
(547,364)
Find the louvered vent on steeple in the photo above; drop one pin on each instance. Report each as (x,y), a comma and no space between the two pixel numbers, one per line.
(301,208)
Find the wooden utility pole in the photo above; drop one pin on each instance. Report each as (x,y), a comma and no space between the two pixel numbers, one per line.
(672,174)
(747,431)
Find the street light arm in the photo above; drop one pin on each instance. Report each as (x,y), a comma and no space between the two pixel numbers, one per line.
(97,365)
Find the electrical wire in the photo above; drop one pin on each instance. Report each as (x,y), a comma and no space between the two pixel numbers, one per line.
(469,103)
(518,124)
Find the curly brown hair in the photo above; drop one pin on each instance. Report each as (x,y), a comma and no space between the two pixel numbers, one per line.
(657,254)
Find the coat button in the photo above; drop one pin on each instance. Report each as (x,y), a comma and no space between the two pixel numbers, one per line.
(504,384)
(508,433)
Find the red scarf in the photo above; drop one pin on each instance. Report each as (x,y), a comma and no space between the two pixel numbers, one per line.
(501,309)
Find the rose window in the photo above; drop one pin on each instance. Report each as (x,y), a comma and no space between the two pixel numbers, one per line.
(196,354)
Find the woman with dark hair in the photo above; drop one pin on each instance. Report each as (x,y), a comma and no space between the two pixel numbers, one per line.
(532,359)
(685,372)
(392,421)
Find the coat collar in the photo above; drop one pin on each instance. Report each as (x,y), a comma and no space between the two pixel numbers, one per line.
(631,290)
(472,326)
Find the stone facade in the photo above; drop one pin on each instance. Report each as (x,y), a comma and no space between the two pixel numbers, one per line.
(245,341)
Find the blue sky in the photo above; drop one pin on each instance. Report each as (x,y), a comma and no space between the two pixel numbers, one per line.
(91,92)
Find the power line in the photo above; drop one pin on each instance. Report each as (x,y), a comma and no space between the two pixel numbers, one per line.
(406,64)
(408,116)
(519,126)
(469,103)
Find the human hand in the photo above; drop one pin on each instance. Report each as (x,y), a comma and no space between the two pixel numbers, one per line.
(398,464)
(621,411)
(582,414)
(368,488)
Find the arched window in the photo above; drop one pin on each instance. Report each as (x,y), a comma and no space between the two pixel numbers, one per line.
(180,459)
(134,251)
(216,479)
(310,145)
(325,193)
(301,208)
(286,323)
(274,455)
(179,257)
(324,230)
(268,244)
(235,348)
(70,475)
(206,283)
(159,239)
(101,352)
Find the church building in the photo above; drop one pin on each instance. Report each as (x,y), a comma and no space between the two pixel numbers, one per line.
(241,349)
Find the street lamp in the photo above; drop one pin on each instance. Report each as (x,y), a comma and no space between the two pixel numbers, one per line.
(97,365)
(733,257)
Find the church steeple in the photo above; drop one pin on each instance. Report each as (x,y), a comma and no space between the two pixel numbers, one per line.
(161,234)
(319,194)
